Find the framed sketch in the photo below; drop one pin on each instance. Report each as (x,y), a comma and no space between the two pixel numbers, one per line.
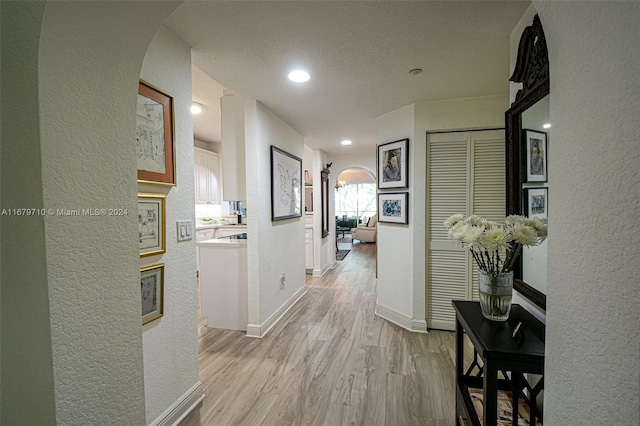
(393,207)
(286,179)
(393,164)
(151,224)
(537,202)
(535,156)
(152,292)
(155,147)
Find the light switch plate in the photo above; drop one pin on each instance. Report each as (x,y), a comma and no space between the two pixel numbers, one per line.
(185,230)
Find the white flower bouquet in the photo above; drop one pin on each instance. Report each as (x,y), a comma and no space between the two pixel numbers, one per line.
(486,239)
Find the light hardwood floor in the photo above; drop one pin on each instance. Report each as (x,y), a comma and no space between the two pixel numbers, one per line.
(329,361)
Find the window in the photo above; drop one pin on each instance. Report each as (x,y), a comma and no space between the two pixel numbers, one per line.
(356,201)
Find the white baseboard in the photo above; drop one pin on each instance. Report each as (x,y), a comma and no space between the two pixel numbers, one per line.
(444,325)
(325,268)
(417,326)
(261,330)
(181,408)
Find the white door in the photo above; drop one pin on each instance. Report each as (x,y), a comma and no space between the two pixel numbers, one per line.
(466,174)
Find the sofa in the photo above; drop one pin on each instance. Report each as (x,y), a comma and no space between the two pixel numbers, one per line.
(366,232)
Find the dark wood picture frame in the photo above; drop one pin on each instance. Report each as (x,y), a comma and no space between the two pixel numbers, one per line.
(393,164)
(393,207)
(534,156)
(286,185)
(155,136)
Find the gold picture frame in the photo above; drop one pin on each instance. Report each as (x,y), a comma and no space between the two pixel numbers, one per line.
(152,238)
(155,136)
(152,292)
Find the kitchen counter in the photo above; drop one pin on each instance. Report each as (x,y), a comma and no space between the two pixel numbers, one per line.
(223,242)
(224,283)
(204,225)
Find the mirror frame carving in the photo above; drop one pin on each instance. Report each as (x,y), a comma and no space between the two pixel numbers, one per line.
(532,70)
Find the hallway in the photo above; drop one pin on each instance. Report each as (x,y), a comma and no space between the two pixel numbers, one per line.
(329,361)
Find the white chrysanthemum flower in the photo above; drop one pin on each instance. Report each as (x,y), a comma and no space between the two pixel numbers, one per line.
(525,235)
(514,219)
(453,220)
(477,220)
(459,231)
(495,238)
(473,236)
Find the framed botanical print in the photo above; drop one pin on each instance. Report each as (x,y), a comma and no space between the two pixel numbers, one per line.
(152,292)
(537,202)
(535,156)
(286,179)
(151,224)
(155,146)
(393,164)
(393,207)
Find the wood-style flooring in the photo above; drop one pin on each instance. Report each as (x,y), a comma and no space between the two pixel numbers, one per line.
(329,361)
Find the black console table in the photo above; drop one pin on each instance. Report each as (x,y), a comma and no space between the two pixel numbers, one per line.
(498,350)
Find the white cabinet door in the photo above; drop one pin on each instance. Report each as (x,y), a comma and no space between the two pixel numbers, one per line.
(203,235)
(225,231)
(207,175)
(308,249)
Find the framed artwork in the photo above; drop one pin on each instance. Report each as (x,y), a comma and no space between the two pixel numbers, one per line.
(537,202)
(286,179)
(393,207)
(324,178)
(393,164)
(152,292)
(151,224)
(535,156)
(155,136)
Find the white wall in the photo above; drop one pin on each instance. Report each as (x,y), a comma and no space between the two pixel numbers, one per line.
(170,343)
(89,63)
(396,281)
(403,297)
(273,248)
(592,370)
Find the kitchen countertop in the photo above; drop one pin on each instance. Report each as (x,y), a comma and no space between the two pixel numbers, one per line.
(200,225)
(223,242)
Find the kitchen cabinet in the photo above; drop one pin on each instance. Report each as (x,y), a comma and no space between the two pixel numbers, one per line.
(225,231)
(203,235)
(208,177)
(308,249)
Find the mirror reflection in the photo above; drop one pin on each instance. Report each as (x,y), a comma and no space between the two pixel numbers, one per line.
(535,194)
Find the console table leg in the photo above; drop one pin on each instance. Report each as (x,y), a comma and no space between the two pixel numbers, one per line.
(490,384)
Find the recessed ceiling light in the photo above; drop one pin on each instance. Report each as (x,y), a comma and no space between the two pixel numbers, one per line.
(415,71)
(196,108)
(546,125)
(346,142)
(299,76)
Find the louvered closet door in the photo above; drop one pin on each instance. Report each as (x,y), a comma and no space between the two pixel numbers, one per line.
(465,175)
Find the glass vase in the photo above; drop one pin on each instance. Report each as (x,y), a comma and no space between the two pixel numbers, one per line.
(495,294)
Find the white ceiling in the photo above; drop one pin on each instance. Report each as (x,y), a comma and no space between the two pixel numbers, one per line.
(358,53)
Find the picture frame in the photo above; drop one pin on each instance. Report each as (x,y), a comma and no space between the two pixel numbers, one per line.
(393,207)
(286,184)
(155,135)
(537,202)
(151,224)
(535,156)
(393,163)
(152,292)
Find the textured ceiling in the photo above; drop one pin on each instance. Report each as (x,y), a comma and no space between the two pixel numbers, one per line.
(358,54)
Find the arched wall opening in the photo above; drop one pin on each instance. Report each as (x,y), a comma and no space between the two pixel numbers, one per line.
(81,64)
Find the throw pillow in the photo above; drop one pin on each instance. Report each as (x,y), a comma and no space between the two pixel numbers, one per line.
(372,222)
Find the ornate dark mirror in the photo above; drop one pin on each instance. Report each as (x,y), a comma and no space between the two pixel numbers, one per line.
(527,144)
(324,177)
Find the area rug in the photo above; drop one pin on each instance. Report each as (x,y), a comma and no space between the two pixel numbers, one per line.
(341,254)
